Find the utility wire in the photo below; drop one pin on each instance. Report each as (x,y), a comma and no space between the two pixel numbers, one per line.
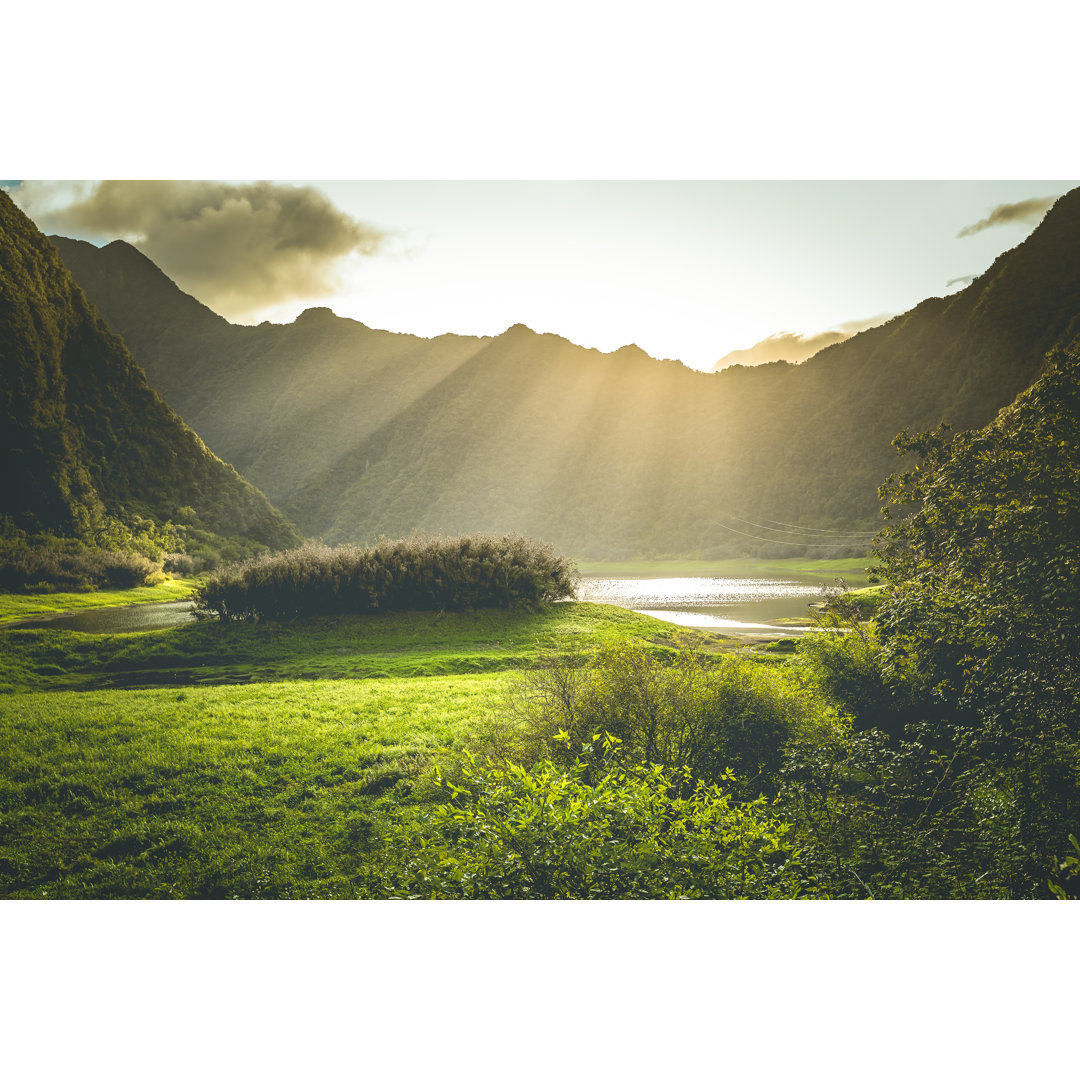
(823,532)
(769,540)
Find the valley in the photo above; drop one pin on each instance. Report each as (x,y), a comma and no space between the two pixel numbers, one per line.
(398,687)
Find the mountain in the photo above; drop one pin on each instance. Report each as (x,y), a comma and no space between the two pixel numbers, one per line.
(84,437)
(356,432)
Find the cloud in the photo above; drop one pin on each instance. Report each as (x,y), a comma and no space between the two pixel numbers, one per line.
(794,348)
(239,248)
(967,280)
(1027,212)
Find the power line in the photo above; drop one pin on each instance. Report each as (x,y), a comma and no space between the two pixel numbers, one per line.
(802,528)
(769,540)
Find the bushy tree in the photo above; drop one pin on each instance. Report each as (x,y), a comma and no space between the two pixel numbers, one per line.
(984,610)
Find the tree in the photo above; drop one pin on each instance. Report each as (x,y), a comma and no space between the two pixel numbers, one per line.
(984,610)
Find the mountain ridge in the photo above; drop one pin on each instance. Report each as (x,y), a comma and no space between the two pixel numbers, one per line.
(357,432)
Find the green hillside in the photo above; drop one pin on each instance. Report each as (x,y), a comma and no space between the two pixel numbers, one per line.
(88,446)
(357,432)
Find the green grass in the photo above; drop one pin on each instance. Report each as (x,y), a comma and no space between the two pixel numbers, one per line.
(852,570)
(392,645)
(17,606)
(271,790)
(248,760)
(868,600)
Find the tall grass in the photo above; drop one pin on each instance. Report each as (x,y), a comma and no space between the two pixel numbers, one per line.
(419,574)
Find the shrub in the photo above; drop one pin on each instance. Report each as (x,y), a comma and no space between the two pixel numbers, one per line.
(68,565)
(545,833)
(419,574)
(848,668)
(182,564)
(682,710)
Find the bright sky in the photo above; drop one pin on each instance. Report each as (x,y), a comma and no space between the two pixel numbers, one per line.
(687,270)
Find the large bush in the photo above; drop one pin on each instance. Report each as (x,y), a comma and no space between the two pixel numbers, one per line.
(688,710)
(418,574)
(965,781)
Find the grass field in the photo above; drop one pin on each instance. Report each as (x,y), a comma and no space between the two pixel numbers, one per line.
(400,645)
(213,761)
(213,792)
(258,760)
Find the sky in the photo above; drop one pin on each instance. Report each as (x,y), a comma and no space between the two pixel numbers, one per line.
(690,270)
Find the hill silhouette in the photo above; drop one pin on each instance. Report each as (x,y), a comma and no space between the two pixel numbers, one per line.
(85,438)
(357,432)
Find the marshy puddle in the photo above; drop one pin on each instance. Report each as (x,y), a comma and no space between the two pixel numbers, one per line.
(114,620)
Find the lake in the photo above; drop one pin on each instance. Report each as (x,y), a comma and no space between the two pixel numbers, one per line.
(728,605)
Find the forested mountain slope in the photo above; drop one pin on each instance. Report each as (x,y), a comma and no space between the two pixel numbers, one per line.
(357,432)
(84,438)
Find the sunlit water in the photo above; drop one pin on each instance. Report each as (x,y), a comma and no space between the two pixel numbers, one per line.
(115,620)
(749,606)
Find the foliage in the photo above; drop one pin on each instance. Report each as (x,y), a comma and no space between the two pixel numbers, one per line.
(985,605)
(843,660)
(915,818)
(986,573)
(45,568)
(1067,885)
(547,833)
(690,712)
(418,574)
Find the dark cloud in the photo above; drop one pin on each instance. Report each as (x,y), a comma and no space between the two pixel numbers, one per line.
(794,348)
(237,247)
(1027,212)
(961,280)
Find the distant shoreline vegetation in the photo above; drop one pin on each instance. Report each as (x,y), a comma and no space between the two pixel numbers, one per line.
(417,574)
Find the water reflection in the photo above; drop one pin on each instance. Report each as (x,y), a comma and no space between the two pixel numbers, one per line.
(749,606)
(115,620)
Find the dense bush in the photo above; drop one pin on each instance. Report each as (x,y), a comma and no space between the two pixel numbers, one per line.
(182,564)
(965,780)
(71,567)
(846,665)
(687,710)
(418,574)
(547,833)
(914,818)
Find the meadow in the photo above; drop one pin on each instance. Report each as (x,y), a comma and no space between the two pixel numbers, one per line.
(250,760)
